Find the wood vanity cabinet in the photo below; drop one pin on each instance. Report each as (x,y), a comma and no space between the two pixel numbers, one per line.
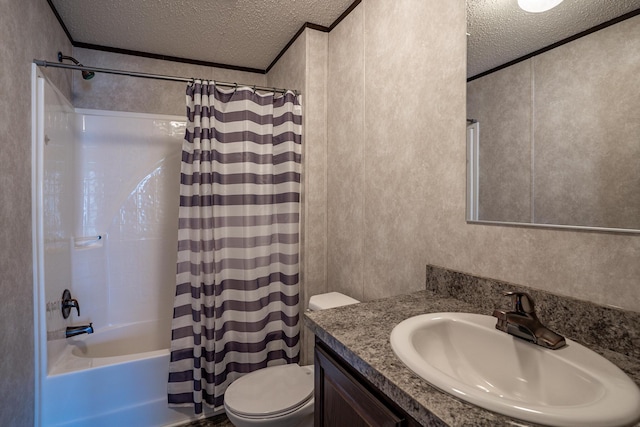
(343,398)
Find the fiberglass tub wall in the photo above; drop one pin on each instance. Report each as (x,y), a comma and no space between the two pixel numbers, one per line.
(127,192)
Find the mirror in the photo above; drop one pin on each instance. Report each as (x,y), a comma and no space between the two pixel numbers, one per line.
(554,139)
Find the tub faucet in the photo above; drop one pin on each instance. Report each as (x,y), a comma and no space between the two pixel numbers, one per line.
(72,331)
(522,322)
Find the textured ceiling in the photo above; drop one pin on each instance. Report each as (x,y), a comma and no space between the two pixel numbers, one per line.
(251,33)
(499,31)
(242,33)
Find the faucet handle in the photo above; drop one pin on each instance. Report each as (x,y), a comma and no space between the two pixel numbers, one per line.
(522,302)
(68,303)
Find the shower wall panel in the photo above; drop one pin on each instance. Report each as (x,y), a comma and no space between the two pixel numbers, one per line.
(128,169)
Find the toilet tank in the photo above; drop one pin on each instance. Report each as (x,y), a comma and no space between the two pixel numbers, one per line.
(330,300)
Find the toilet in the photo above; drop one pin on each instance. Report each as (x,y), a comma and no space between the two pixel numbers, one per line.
(278,396)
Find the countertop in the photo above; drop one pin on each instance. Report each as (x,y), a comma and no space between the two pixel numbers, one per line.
(360,333)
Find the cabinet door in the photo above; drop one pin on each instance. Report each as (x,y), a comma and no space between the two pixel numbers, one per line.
(340,400)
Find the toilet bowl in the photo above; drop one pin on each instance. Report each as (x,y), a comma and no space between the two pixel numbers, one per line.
(278,396)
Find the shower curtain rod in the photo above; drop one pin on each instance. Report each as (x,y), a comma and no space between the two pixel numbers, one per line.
(154,76)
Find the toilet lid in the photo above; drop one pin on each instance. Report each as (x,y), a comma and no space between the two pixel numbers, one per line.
(270,391)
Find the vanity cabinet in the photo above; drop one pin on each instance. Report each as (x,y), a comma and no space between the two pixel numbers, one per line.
(343,398)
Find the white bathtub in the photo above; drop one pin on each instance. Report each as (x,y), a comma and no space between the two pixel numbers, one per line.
(114,377)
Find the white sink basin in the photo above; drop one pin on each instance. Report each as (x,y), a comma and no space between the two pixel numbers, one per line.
(464,355)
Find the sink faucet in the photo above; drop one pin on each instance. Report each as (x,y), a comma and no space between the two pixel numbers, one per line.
(523,322)
(72,331)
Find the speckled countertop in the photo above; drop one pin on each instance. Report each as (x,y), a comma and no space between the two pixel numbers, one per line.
(360,335)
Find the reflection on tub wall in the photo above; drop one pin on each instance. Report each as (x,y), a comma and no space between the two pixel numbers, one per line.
(571,114)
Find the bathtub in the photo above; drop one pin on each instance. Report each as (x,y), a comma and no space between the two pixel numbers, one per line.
(116,376)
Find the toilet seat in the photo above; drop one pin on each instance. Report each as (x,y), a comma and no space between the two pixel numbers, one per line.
(270,392)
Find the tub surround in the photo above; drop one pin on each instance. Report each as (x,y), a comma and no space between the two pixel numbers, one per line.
(124,283)
(360,335)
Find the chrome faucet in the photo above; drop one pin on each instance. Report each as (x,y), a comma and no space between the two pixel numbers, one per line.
(72,331)
(522,322)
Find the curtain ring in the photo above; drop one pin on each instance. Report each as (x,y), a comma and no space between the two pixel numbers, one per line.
(254,88)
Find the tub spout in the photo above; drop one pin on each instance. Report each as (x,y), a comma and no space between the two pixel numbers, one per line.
(72,331)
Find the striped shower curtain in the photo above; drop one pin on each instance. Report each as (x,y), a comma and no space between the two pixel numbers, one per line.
(236,303)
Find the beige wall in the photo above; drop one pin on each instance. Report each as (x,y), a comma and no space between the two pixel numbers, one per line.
(396,144)
(28,30)
(397,200)
(573,109)
(346,168)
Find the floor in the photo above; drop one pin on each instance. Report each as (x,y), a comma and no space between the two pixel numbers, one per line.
(217,421)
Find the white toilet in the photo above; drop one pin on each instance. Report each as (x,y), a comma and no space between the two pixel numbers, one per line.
(278,396)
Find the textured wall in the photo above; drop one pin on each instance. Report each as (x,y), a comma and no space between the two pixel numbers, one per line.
(410,165)
(133,94)
(574,110)
(346,144)
(303,67)
(396,115)
(28,30)
(315,160)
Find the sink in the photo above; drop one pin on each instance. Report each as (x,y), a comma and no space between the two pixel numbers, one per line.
(464,355)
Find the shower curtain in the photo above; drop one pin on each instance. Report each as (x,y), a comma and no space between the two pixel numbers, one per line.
(237,290)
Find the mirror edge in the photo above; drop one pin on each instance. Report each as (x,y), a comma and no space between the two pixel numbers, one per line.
(585,228)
